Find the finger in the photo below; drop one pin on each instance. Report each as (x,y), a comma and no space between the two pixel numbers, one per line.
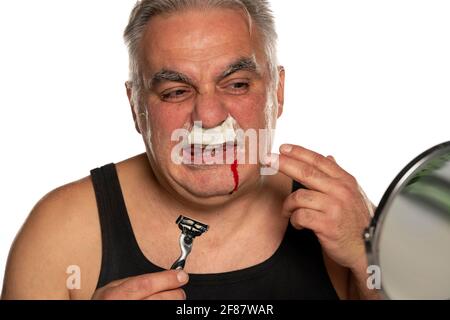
(332,159)
(309,176)
(139,287)
(314,159)
(304,198)
(177,294)
(309,219)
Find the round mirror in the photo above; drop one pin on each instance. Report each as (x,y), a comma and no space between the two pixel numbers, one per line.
(408,239)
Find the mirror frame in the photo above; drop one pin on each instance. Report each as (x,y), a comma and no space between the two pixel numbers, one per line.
(371,234)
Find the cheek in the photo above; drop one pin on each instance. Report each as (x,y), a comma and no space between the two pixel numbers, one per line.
(163,120)
(249,111)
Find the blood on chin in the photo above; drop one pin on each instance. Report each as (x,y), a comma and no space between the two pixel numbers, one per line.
(231,173)
(219,162)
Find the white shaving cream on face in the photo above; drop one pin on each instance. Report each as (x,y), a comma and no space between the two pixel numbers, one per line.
(225,133)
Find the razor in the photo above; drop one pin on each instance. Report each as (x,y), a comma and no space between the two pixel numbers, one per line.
(190,229)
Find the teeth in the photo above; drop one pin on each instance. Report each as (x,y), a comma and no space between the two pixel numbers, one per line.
(215,136)
(210,147)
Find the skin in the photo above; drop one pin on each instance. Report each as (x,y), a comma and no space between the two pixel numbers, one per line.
(63,228)
(203,56)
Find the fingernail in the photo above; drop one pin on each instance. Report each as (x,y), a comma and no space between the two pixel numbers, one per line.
(286,148)
(269,159)
(182,276)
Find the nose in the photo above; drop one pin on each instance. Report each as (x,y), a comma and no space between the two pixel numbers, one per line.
(210,110)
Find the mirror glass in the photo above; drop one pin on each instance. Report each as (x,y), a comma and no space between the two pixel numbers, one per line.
(409,238)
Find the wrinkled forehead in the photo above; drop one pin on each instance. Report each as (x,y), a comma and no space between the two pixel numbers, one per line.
(196,41)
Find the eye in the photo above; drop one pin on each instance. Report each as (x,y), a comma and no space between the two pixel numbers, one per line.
(239,87)
(176,95)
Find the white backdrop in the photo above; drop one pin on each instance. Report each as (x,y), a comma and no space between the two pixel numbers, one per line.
(367,81)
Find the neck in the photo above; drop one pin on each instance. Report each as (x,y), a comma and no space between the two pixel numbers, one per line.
(234,216)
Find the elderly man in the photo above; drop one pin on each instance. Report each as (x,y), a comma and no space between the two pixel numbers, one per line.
(292,234)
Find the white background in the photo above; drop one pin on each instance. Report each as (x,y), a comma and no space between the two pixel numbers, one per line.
(367,81)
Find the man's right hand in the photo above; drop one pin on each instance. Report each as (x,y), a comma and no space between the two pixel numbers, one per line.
(165,285)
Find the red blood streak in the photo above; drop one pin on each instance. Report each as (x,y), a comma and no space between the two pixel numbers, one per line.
(234,169)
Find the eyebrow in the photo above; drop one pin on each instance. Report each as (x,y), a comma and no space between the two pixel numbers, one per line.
(242,64)
(170,75)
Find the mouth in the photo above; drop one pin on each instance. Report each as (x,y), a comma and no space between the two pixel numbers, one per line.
(220,154)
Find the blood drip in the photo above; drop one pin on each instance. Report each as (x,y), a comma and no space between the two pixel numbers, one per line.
(234,169)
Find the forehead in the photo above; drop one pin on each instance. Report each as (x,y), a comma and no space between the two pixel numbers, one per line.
(199,37)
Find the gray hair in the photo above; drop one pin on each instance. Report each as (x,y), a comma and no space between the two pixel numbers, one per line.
(258,11)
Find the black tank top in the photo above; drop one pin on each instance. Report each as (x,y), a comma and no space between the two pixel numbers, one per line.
(295,271)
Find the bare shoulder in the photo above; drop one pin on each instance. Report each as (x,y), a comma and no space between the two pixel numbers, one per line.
(62,231)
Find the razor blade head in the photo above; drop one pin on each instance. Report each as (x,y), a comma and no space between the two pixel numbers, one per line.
(191,227)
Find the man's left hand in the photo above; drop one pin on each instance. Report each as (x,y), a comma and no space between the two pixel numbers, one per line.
(335,208)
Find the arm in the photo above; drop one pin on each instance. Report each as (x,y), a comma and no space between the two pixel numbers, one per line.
(63,230)
(45,247)
(350,284)
(358,289)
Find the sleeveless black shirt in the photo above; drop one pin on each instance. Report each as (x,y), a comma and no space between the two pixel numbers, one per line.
(295,271)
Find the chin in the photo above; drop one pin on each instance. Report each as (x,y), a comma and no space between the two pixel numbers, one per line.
(207,181)
(211,194)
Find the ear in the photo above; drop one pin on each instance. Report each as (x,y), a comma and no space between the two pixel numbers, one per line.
(129,87)
(280,90)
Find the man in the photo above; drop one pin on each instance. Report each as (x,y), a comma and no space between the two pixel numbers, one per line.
(113,235)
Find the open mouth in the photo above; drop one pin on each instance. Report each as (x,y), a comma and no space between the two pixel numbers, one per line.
(210,154)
